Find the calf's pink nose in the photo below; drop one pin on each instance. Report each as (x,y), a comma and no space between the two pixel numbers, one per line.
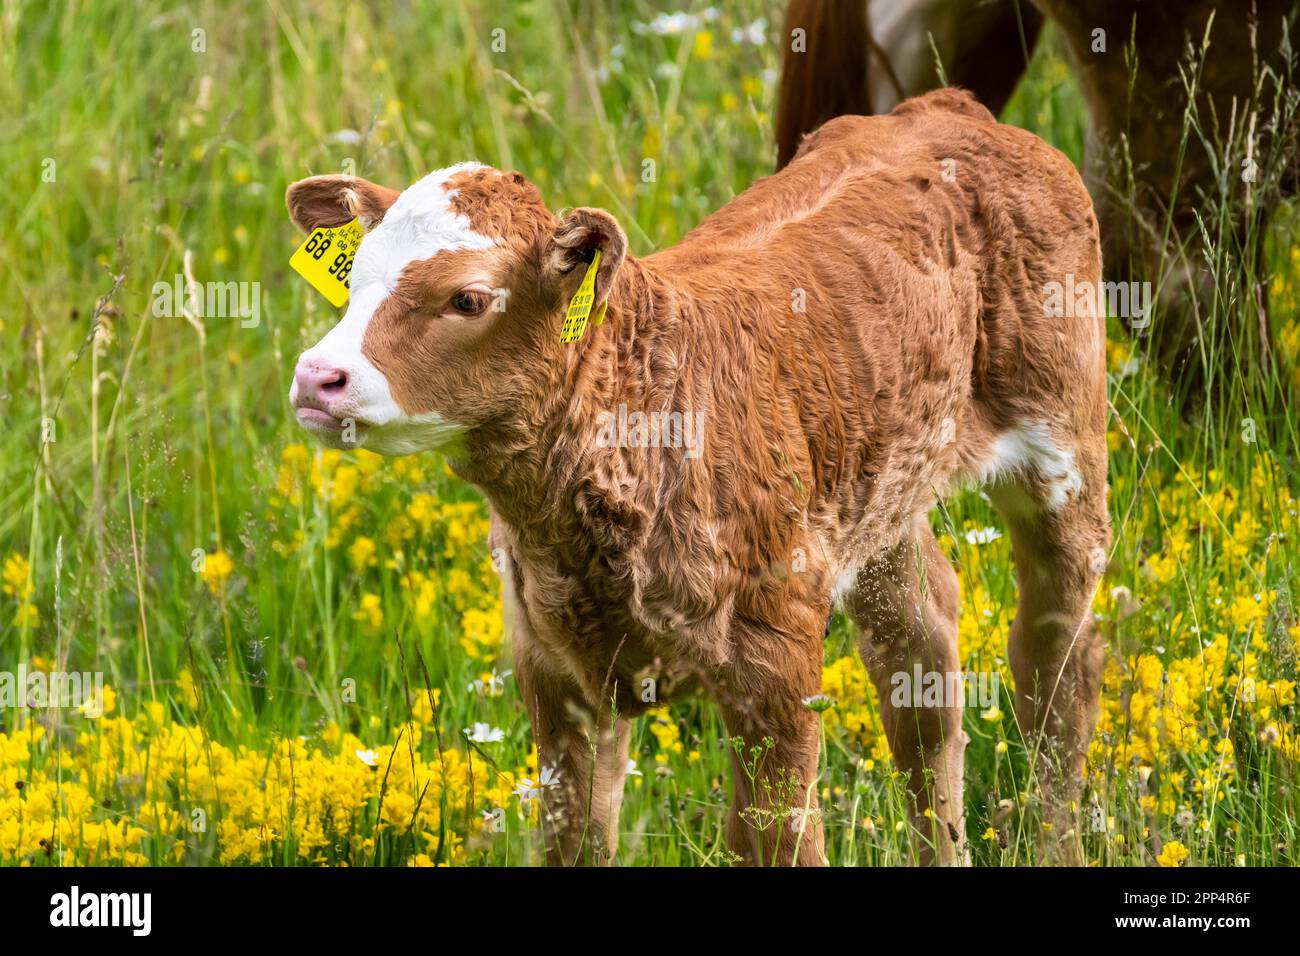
(319,381)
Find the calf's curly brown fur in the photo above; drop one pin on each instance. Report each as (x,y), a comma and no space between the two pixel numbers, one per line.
(859,334)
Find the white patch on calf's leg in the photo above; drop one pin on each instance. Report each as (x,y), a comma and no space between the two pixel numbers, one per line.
(1029,450)
(845,582)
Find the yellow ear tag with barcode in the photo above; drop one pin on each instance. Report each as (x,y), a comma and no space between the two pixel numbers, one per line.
(575,319)
(325,259)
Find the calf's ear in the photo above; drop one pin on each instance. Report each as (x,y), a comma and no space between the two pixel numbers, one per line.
(333,200)
(573,246)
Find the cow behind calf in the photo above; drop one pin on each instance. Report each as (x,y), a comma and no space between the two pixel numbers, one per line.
(855,337)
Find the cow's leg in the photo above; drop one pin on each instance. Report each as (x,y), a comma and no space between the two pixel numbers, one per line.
(1060,538)
(587,749)
(905,604)
(774,815)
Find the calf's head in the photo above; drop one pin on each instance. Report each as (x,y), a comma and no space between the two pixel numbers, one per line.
(458,291)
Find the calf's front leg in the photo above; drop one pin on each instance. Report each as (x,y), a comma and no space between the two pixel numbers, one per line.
(774,817)
(585,749)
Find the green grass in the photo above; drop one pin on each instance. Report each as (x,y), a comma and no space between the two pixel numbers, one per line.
(168,439)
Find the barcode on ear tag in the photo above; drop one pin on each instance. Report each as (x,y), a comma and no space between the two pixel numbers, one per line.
(325,259)
(575,319)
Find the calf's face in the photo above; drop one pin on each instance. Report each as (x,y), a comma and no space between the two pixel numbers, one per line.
(457,293)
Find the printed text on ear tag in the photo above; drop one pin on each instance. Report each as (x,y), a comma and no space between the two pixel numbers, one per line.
(575,319)
(325,259)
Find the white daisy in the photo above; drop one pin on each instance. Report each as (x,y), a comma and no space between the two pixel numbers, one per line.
(482,733)
(527,790)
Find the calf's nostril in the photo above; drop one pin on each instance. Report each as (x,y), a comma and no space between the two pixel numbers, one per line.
(334,382)
(314,381)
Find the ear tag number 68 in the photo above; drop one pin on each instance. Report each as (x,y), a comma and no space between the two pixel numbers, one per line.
(325,259)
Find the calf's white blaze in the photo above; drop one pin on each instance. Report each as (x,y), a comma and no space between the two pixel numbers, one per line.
(418,226)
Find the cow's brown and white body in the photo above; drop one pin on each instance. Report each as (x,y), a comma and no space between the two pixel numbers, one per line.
(859,335)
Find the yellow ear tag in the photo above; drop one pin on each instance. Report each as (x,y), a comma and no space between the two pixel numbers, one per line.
(575,319)
(325,259)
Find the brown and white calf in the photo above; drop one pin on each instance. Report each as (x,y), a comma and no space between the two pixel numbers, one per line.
(859,334)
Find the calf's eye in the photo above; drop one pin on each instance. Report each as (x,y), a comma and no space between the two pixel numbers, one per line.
(469,302)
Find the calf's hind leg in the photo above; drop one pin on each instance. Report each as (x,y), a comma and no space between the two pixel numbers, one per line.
(905,604)
(1060,543)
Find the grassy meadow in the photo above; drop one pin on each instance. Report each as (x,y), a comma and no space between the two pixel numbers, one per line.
(303,650)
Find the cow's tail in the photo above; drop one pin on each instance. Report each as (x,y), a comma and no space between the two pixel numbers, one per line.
(824,68)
